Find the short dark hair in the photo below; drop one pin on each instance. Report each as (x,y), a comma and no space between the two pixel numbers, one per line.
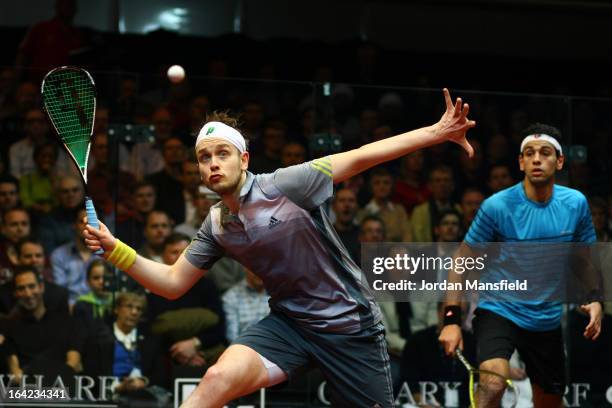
(38,149)
(599,202)
(98,262)
(380,172)
(175,238)
(448,211)
(471,189)
(156,211)
(27,240)
(539,128)
(7,179)
(373,218)
(143,183)
(23,269)
(22,209)
(441,168)
(125,297)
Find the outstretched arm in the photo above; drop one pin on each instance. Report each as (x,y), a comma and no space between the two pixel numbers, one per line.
(169,281)
(452,126)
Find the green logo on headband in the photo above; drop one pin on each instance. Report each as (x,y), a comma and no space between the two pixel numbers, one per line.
(210,130)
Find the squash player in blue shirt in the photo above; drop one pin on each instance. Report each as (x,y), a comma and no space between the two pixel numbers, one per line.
(534,210)
(322,311)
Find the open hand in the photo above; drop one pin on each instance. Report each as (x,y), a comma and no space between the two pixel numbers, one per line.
(454,124)
(595,313)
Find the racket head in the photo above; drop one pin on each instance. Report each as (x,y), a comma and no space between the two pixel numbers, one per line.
(511,394)
(69,97)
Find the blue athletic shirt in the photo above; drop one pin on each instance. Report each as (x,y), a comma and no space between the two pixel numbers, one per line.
(509,216)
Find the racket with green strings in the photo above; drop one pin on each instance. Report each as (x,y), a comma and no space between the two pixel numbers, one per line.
(510,398)
(69,97)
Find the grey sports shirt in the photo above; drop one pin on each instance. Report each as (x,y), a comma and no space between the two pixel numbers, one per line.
(283,235)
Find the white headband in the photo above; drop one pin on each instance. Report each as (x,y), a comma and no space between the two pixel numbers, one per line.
(218,130)
(543,137)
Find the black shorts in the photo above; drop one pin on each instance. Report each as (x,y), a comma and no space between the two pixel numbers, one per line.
(542,352)
(356,366)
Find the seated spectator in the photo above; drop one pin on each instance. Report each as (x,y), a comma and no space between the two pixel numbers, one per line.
(40,341)
(500,177)
(36,188)
(25,97)
(471,199)
(471,170)
(107,183)
(131,222)
(190,180)
(424,360)
(292,153)
(15,225)
(71,260)
(36,132)
(168,180)
(442,186)
(397,226)
(57,227)
(146,157)
(410,188)
(194,324)
(96,304)
(157,228)
(9,194)
(129,352)
(244,304)
(273,140)
(599,214)
(344,205)
(203,199)
(373,230)
(498,148)
(30,253)
(253,118)
(448,228)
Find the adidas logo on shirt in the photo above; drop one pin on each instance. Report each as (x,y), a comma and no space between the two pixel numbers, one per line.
(273,222)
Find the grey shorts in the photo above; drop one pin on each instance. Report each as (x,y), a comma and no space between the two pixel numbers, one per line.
(356,366)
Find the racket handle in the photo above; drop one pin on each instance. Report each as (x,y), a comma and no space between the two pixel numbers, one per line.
(92,219)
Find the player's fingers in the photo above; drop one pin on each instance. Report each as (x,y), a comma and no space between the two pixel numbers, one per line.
(466,110)
(597,333)
(458,107)
(93,231)
(102,226)
(467,147)
(447,99)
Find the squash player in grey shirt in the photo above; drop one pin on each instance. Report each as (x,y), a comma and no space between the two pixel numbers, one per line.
(322,312)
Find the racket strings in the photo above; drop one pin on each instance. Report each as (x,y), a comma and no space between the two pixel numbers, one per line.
(69,97)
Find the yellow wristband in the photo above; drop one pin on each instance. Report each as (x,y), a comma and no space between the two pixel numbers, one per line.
(123,256)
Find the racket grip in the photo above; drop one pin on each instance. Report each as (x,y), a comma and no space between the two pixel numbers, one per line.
(92,219)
